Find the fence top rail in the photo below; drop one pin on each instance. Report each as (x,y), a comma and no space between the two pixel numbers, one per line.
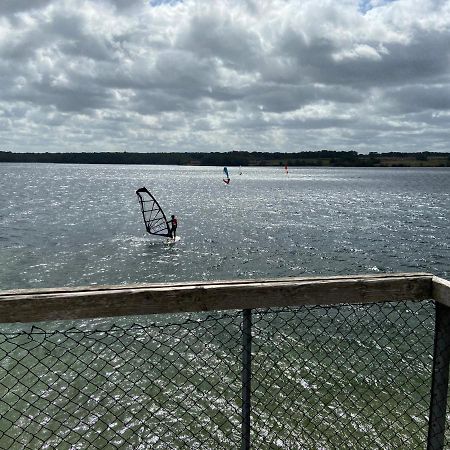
(91,288)
(441,291)
(110,301)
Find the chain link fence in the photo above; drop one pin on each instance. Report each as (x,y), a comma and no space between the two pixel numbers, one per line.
(348,376)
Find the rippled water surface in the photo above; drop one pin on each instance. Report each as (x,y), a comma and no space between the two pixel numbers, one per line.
(324,377)
(64,225)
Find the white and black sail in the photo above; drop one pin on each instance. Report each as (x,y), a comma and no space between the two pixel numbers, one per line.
(154,217)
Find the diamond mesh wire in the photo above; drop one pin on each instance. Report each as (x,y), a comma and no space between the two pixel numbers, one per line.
(350,376)
(171,385)
(342,377)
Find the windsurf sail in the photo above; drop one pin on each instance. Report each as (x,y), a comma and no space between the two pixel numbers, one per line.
(154,217)
(240,170)
(227,179)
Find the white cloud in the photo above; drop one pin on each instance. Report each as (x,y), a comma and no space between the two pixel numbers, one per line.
(359,52)
(274,75)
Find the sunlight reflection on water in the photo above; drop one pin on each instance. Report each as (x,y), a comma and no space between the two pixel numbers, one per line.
(83,224)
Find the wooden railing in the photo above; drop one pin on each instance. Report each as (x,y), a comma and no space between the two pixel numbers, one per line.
(111,301)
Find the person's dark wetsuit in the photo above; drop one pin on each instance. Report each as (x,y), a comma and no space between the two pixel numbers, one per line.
(173,227)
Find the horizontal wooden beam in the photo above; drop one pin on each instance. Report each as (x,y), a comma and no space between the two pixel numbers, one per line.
(441,291)
(112,301)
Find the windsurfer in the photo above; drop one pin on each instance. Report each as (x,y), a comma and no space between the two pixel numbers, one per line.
(173,227)
(227,179)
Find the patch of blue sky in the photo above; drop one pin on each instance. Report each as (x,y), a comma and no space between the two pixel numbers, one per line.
(164,2)
(366,5)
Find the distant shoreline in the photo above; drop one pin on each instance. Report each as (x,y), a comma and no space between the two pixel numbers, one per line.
(322,158)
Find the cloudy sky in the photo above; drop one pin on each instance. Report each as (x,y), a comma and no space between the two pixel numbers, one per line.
(268,75)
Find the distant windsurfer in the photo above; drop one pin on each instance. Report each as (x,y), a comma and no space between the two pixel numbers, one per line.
(227,179)
(173,227)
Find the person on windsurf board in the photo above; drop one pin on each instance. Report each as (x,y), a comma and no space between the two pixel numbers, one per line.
(173,227)
(227,179)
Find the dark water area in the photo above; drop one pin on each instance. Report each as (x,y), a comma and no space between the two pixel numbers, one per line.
(68,225)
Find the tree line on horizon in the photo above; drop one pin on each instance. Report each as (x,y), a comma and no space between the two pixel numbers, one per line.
(238,158)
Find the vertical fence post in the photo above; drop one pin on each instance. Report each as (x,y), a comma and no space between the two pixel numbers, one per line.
(246,376)
(439,384)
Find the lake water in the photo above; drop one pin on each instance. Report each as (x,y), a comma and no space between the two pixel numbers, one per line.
(68,225)
(342,377)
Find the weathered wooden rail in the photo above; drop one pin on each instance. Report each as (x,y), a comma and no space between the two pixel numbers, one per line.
(112,301)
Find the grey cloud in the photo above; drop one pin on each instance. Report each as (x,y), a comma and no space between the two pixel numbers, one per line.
(22,46)
(319,123)
(184,71)
(424,59)
(63,33)
(221,38)
(281,98)
(14,6)
(64,98)
(259,121)
(170,71)
(127,4)
(430,120)
(244,69)
(300,59)
(91,47)
(156,102)
(74,38)
(413,98)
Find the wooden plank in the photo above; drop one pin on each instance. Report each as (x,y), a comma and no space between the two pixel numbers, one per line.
(441,291)
(69,289)
(211,296)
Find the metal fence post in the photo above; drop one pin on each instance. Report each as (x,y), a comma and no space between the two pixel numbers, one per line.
(439,384)
(246,376)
